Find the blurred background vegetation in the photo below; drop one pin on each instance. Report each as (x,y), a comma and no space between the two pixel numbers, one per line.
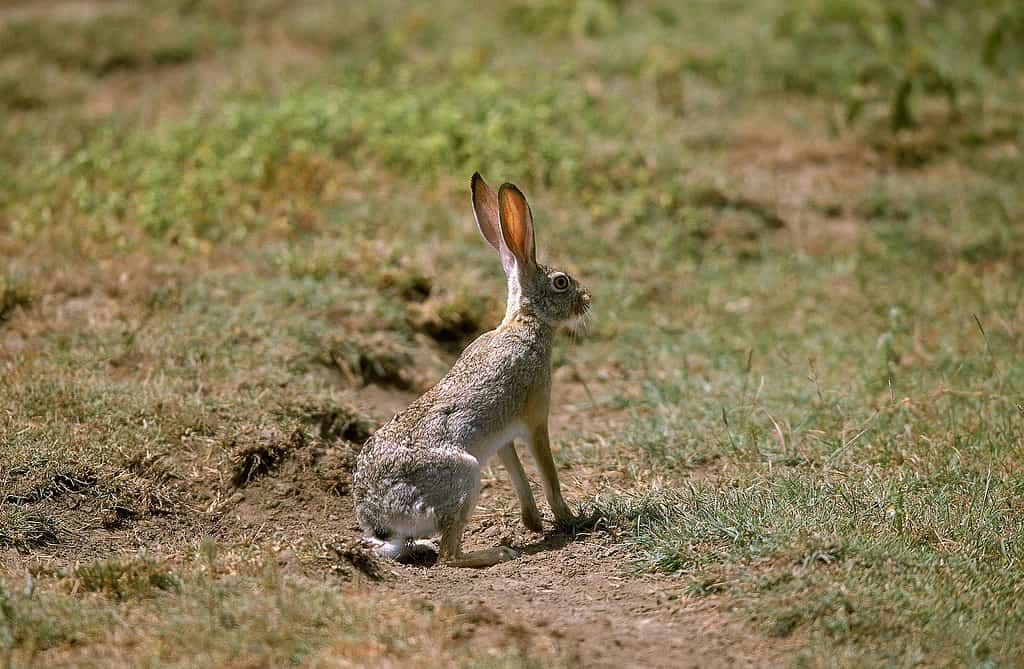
(801,222)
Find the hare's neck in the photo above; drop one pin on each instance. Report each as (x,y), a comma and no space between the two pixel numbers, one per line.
(521,318)
(533,331)
(512,302)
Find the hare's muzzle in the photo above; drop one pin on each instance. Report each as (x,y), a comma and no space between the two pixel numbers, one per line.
(583,305)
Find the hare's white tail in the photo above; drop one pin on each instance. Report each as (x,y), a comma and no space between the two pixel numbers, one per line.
(398,539)
(403,549)
(394,547)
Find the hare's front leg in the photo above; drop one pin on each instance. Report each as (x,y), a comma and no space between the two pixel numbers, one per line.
(453,523)
(527,505)
(540,446)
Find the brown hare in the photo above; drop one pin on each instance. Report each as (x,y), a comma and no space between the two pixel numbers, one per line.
(419,475)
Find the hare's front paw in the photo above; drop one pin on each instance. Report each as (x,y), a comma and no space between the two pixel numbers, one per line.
(533,521)
(571,523)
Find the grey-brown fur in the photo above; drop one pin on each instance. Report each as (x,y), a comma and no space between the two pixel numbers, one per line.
(419,474)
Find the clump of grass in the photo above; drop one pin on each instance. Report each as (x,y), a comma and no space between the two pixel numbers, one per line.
(33,621)
(232,164)
(14,293)
(29,85)
(898,61)
(557,19)
(124,580)
(54,462)
(57,486)
(345,424)
(388,270)
(259,614)
(360,557)
(26,531)
(336,421)
(409,283)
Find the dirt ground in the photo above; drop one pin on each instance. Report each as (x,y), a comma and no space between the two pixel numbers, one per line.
(576,597)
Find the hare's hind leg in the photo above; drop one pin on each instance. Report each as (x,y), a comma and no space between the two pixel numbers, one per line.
(527,505)
(453,525)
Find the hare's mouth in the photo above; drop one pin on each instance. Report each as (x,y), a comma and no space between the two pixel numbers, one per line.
(581,323)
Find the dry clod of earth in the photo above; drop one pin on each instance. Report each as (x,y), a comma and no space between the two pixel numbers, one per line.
(370,359)
(357,555)
(258,450)
(450,320)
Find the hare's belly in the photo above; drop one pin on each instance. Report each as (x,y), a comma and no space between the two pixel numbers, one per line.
(420,522)
(485,448)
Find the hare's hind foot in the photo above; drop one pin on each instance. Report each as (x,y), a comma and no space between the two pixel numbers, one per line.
(487,557)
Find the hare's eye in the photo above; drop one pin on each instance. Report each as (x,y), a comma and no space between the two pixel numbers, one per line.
(560,282)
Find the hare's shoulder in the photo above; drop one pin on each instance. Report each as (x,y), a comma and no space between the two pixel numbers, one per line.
(495,350)
(487,384)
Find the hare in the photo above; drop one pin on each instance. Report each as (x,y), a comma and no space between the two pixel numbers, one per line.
(419,475)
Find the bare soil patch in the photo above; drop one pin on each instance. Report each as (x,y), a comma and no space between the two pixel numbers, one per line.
(811,182)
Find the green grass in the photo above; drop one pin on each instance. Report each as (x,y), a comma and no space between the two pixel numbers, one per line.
(866,495)
(797,219)
(191,179)
(891,567)
(895,61)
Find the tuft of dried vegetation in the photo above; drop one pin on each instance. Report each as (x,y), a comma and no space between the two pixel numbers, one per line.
(57,486)
(339,422)
(27,531)
(356,555)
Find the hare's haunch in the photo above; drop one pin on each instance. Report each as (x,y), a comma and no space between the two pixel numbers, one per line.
(419,475)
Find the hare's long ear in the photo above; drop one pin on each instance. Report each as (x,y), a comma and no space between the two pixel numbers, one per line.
(517,225)
(485,210)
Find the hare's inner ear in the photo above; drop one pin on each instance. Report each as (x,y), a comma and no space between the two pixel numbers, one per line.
(485,210)
(517,225)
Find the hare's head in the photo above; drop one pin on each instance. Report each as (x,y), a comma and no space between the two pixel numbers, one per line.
(540,291)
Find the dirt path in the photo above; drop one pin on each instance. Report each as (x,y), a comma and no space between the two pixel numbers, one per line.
(575,599)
